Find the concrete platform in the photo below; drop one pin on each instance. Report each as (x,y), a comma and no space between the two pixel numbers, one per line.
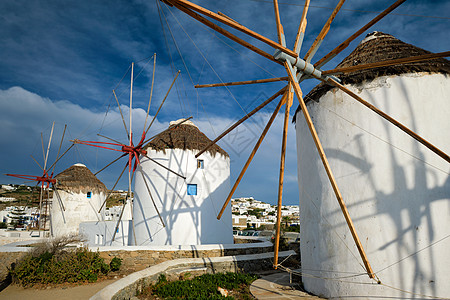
(277,286)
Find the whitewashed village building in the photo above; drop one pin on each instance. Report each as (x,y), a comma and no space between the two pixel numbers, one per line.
(397,191)
(188,207)
(81,194)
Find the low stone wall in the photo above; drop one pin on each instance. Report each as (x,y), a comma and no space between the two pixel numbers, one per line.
(136,258)
(6,260)
(135,283)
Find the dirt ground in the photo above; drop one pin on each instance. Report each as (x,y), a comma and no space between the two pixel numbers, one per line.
(81,292)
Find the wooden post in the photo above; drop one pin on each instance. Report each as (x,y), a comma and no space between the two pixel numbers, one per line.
(408,131)
(347,42)
(224,32)
(233,24)
(274,96)
(198,86)
(249,160)
(315,46)
(328,170)
(301,28)
(281,180)
(386,63)
(280,31)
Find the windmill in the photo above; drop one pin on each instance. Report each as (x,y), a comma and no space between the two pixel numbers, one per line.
(132,151)
(299,69)
(46,180)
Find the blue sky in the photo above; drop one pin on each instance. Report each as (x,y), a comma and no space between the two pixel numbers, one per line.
(60,60)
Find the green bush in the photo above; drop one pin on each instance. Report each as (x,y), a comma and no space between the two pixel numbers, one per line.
(115,264)
(73,266)
(201,287)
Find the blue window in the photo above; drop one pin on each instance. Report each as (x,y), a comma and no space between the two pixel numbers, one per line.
(192,189)
(89,195)
(200,164)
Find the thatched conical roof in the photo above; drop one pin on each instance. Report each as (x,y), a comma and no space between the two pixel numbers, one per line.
(78,178)
(376,47)
(186,137)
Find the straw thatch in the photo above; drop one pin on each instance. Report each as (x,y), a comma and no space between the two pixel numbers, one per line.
(376,47)
(186,137)
(79,179)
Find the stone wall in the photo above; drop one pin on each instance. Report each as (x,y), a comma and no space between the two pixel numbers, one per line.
(132,285)
(137,260)
(6,260)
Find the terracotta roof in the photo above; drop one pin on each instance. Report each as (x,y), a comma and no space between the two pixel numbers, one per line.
(379,46)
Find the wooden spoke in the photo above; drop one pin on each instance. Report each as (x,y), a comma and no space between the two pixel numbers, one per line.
(392,120)
(164,100)
(48,146)
(59,199)
(232,24)
(262,105)
(280,31)
(37,163)
(108,138)
(347,42)
(198,86)
(110,163)
(328,170)
(386,63)
(118,221)
(301,28)
(151,91)
(281,180)
(249,160)
(61,156)
(163,166)
(120,110)
(315,46)
(228,17)
(112,190)
(225,33)
(59,148)
(153,201)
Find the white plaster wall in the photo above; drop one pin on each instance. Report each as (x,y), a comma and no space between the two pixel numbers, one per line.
(189,220)
(396,190)
(78,209)
(100,233)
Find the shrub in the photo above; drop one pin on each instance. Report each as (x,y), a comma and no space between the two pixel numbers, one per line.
(201,287)
(53,263)
(115,264)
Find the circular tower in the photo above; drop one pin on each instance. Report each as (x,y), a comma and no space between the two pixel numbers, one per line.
(397,191)
(78,198)
(182,208)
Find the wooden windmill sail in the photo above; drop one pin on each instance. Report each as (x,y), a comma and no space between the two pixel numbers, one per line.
(132,151)
(299,69)
(46,181)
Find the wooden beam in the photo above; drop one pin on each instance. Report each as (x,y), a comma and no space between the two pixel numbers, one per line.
(232,24)
(225,33)
(301,28)
(386,63)
(347,42)
(325,163)
(281,179)
(198,86)
(258,108)
(392,120)
(315,46)
(249,160)
(280,31)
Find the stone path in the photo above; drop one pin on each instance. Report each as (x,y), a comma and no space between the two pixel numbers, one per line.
(277,286)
